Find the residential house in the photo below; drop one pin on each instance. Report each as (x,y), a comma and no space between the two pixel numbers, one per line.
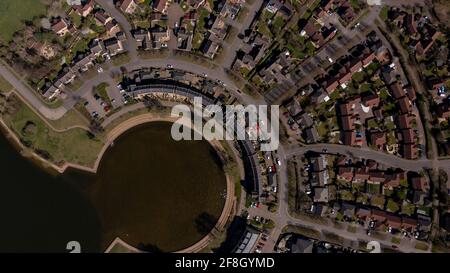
(378,139)
(348,210)
(85,8)
(97,48)
(143,39)
(49,91)
(102,18)
(301,245)
(311,135)
(370,100)
(320,195)
(345,173)
(160,6)
(128,6)
(61,27)
(420,183)
(363,213)
(83,62)
(113,46)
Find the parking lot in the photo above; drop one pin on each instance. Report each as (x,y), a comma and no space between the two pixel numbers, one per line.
(98,108)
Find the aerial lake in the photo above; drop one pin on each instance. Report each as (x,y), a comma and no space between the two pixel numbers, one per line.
(153,192)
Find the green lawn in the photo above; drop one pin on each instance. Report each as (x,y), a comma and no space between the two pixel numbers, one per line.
(346,195)
(384,13)
(305,231)
(71,118)
(392,206)
(373,188)
(13,12)
(378,201)
(121,59)
(278,24)
(73,146)
(351,229)
(5,86)
(421,246)
(395,240)
(102,92)
(408,209)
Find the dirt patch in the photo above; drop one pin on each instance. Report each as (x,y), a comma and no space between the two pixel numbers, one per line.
(442,10)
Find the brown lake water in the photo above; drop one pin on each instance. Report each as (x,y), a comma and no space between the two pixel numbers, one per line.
(153,192)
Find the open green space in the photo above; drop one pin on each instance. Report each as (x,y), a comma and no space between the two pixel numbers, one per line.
(5,86)
(395,240)
(74,146)
(13,13)
(102,92)
(70,119)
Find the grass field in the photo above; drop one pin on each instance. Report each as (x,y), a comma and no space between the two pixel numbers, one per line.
(102,92)
(71,118)
(13,12)
(5,86)
(72,146)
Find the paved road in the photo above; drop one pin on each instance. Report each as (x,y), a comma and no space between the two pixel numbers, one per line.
(404,3)
(418,85)
(27,94)
(109,7)
(231,49)
(283,218)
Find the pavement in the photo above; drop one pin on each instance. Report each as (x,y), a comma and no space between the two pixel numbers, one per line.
(31,95)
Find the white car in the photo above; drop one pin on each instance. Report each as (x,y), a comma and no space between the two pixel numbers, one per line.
(278,162)
(169,66)
(100,70)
